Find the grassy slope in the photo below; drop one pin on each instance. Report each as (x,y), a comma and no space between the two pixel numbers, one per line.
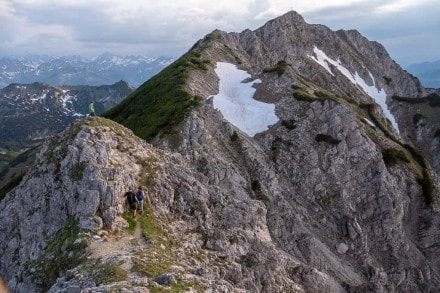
(161,102)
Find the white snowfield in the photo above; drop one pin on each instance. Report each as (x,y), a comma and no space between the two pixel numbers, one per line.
(371,90)
(235,101)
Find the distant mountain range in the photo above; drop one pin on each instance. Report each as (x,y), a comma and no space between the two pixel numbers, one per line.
(76,70)
(427,72)
(30,113)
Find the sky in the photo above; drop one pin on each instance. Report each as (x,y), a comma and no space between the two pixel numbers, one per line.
(409,29)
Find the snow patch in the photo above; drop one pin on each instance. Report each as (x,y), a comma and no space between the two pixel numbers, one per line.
(235,101)
(38,98)
(370,122)
(371,90)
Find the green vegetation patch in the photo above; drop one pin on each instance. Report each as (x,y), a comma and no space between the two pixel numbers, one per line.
(174,288)
(304,96)
(149,171)
(103,122)
(150,226)
(10,185)
(393,156)
(61,254)
(255,185)
(289,124)
(424,179)
(104,273)
(370,110)
(128,216)
(279,68)
(387,79)
(76,171)
(162,102)
(234,136)
(160,254)
(324,94)
(149,268)
(326,138)
(432,99)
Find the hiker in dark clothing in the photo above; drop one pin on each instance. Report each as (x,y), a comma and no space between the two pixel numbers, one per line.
(132,201)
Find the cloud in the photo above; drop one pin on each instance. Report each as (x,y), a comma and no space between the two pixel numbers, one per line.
(90,27)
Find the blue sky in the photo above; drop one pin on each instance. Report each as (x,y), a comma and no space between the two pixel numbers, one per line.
(409,30)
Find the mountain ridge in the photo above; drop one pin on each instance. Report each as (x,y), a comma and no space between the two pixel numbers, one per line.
(428,72)
(106,68)
(32,112)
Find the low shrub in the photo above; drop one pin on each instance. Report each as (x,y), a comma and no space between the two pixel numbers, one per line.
(289,124)
(234,136)
(326,138)
(280,68)
(76,171)
(417,117)
(301,95)
(392,156)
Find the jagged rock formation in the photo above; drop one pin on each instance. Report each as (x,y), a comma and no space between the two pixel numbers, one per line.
(331,198)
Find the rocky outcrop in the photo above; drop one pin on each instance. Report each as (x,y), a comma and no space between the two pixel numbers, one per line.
(81,175)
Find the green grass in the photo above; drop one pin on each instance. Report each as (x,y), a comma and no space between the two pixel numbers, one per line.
(279,68)
(174,288)
(150,227)
(302,95)
(234,136)
(424,179)
(161,255)
(326,138)
(108,273)
(10,185)
(149,171)
(392,156)
(76,171)
(62,253)
(162,102)
(289,124)
(432,99)
(128,216)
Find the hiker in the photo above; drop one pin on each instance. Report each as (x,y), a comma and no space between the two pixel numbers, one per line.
(91,109)
(132,201)
(140,197)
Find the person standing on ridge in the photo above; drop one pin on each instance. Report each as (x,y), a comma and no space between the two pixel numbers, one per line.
(132,201)
(91,109)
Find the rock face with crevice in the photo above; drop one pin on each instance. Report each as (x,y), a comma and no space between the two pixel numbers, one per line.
(331,198)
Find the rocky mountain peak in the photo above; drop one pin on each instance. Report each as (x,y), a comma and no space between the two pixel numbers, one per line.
(291,17)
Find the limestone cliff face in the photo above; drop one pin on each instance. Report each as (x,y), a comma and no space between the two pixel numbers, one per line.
(330,198)
(335,199)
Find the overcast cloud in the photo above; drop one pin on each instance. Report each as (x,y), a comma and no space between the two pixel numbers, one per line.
(410,30)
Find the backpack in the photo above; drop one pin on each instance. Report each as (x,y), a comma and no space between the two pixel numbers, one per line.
(130,198)
(140,195)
